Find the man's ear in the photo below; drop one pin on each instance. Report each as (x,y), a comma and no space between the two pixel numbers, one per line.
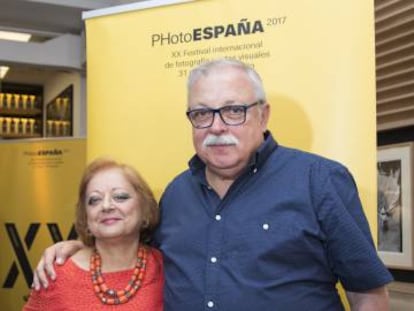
(265,116)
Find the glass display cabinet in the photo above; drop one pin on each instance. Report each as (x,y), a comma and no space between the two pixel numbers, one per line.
(21,111)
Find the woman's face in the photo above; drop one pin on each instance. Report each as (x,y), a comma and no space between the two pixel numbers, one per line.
(112,207)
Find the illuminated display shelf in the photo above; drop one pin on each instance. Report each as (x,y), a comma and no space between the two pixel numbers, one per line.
(21,113)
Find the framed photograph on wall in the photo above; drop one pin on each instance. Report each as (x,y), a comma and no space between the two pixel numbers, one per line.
(395,205)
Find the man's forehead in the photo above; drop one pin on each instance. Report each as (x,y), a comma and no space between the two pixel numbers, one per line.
(221,96)
(202,104)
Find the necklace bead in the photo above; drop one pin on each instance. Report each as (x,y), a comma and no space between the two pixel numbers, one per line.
(111,296)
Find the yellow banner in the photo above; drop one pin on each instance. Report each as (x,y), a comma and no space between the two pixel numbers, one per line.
(316,60)
(38,187)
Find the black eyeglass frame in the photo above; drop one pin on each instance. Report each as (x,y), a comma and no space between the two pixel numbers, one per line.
(219,111)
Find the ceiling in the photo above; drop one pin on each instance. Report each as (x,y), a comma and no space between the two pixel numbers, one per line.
(48,16)
(44,19)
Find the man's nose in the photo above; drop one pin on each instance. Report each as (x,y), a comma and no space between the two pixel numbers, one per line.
(218,123)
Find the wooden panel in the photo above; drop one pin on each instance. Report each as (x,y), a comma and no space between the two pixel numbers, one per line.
(394,36)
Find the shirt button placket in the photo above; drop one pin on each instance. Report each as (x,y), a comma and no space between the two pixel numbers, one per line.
(213,270)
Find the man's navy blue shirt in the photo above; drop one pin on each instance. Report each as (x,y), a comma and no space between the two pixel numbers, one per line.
(288,229)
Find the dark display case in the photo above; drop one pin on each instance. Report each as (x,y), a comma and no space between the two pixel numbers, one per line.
(21,111)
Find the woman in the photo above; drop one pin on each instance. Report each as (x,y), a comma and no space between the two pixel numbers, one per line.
(115,214)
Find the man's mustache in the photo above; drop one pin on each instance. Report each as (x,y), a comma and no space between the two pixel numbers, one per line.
(227,139)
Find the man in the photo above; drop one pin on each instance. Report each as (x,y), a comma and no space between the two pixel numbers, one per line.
(252,224)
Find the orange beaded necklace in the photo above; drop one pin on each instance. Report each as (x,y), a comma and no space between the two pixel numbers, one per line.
(109,296)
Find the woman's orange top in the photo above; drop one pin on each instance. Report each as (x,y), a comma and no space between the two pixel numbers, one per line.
(73,289)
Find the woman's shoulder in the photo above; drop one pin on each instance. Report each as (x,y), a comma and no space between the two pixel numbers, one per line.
(155,253)
(81,258)
(155,265)
(155,258)
(69,278)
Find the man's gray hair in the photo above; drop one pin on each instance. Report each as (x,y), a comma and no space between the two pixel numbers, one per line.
(205,68)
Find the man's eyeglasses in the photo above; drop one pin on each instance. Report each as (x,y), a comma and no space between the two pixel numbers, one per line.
(230,115)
